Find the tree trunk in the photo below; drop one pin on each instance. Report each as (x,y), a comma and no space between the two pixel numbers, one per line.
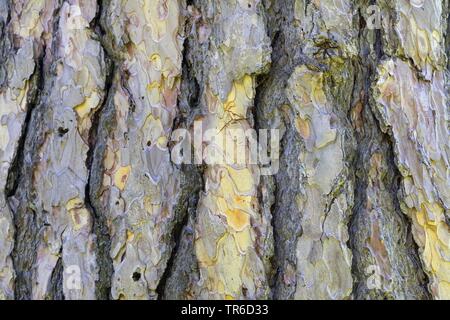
(100,100)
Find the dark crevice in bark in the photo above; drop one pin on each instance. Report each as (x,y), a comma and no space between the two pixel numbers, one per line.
(15,171)
(174,281)
(413,249)
(407,221)
(28,225)
(181,214)
(447,84)
(191,175)
(286,227)
(264,180)
(56,282)
(370,139)
(100,228)
(176,239)
(192,184)
(447,42)
(104,261)
(4,41)
(284,185)
(37,85)
(93,192)
(365,73)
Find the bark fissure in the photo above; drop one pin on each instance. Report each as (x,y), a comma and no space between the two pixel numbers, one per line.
(14,175)
(183,265)
(382,269)
(192,180)
(14,171)
(24,251)
(104,261)
(176,238)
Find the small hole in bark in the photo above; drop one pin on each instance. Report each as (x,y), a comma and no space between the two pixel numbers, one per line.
(62,131)
(149,143)
(249,5)
(136,276)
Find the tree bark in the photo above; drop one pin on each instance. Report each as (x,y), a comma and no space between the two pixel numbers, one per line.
(96,98)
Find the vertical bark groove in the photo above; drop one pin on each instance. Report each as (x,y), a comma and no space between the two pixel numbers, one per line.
(415,62)
(385,264)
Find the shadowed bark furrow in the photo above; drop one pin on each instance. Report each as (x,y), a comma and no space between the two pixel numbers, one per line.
(100,226)
(23,44)
(386,264)
(411,103)
(307,95)
(184,269)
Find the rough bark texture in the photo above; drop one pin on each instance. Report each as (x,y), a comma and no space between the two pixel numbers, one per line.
(94,98)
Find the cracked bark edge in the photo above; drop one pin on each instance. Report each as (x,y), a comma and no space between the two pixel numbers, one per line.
(416,63)
(100,227)
(184,269)
(386,264)
(22,33)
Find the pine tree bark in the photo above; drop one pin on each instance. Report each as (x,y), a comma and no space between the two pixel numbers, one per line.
(94,96)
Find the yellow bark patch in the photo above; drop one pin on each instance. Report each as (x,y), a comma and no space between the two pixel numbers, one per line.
(243,179)
(242,201)
(78,213)
(74,203)
(444,290)
(436,246)
(121,177)
(155,59)
(84,108)
(156,16)
(230,192)
(153,85)
(231,263)
(243,240)
(162,141)
(154,89)
(303,127)
(130,236)
(237,219)
(248,86)
(148,204)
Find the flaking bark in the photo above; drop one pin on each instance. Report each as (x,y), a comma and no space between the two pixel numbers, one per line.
(92,94)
